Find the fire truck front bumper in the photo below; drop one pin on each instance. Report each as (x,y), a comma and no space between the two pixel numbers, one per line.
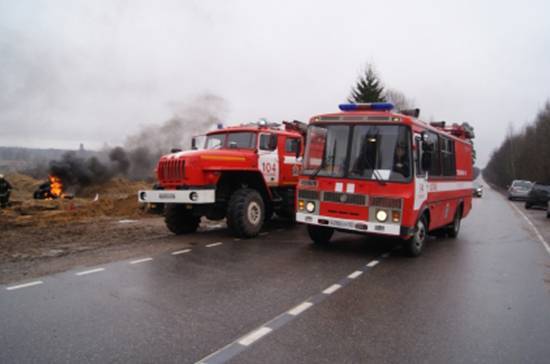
(199,196)
(353,225)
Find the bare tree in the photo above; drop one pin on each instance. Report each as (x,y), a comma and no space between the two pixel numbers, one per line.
(398,98)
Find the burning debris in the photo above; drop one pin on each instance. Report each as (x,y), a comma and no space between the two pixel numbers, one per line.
(51,190)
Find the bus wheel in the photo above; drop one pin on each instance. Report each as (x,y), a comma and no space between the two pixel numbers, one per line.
(454,228)
(415,244)
(320,234)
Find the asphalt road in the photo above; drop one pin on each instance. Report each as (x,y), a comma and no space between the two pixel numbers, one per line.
(484,297)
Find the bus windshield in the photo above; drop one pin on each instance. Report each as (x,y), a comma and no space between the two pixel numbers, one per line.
(375,152)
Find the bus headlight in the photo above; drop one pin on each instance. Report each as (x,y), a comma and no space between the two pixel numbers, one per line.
(381,215)
(395,216)
(310,206)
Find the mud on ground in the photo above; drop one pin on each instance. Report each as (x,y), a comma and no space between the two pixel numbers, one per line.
(33,232)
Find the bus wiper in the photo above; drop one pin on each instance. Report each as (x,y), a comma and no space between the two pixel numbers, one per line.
(375,173)
(316,172)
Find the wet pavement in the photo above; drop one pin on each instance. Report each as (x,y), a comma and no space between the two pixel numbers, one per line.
(484,297)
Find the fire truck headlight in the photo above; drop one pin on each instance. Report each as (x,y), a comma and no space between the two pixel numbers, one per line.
(193,196)
(310,206)
(381,215)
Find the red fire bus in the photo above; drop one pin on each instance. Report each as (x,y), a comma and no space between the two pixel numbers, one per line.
(373,171)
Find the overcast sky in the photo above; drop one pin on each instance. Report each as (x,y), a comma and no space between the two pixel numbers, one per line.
(95,71)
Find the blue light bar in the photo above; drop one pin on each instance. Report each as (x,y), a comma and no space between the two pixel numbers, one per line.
(374,106)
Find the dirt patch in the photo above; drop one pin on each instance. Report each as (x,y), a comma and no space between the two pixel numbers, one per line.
(115,199)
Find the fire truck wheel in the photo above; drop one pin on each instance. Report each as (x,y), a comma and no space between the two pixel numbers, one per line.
(454,228)
(180,220)
(320,234)
(415,244)
(246,213)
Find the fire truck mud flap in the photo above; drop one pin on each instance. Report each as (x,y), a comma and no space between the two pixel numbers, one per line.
(355,225)
(178,196)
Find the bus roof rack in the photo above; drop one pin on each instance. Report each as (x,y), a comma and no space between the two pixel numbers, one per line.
(464,130)
(415,113)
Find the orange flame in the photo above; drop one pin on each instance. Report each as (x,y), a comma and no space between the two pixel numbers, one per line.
(56,187)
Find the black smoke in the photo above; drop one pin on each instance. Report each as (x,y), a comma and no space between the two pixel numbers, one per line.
(138,157)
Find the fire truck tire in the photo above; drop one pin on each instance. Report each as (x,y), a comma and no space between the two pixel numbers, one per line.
(320,234)
(246,213)
(454,228)
(415,245)
(180,220)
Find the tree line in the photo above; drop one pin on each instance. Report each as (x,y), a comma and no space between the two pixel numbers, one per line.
(524,154)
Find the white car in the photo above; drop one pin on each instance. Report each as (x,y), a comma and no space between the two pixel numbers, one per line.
(519,189)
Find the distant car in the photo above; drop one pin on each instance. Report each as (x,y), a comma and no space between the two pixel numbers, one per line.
(519,189)
(478,190)
(538,196)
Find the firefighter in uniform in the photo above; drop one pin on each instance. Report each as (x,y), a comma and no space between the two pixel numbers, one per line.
(5,189)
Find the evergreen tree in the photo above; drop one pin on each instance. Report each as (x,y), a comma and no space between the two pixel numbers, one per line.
(368,88)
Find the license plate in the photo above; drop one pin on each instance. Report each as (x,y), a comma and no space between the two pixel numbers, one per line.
(338,223)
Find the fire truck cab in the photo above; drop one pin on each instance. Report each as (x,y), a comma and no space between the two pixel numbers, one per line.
(373,171)
(243,173)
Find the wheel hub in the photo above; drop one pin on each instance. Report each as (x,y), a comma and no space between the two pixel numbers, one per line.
(254,213)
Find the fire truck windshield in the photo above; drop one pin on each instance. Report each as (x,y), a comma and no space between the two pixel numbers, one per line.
(237,140)
(377,152)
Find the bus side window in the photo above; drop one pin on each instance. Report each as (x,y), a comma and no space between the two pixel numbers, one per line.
(420,172)
(448,157)
(435,170)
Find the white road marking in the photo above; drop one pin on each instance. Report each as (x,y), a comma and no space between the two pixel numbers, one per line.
(83,273)
(236,239)
(300,308)
(539,236)
(263,234)
(372,264)
(255,335)
(141,260)
(181,252)
(385,255)
(355,274)
(330,290)
(214,244)
(30,284)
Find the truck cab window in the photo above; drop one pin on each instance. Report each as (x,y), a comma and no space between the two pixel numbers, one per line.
(292,146)
(268,142)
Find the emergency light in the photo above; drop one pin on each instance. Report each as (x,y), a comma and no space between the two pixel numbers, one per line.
(371,106)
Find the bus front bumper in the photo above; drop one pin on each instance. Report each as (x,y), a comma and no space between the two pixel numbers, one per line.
(355,225)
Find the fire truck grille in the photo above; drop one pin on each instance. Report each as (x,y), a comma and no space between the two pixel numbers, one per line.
(308,194)
(172,170)
(348,198)
(392,203)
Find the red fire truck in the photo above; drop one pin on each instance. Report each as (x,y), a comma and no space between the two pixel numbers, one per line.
(373,171)
(243,173)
